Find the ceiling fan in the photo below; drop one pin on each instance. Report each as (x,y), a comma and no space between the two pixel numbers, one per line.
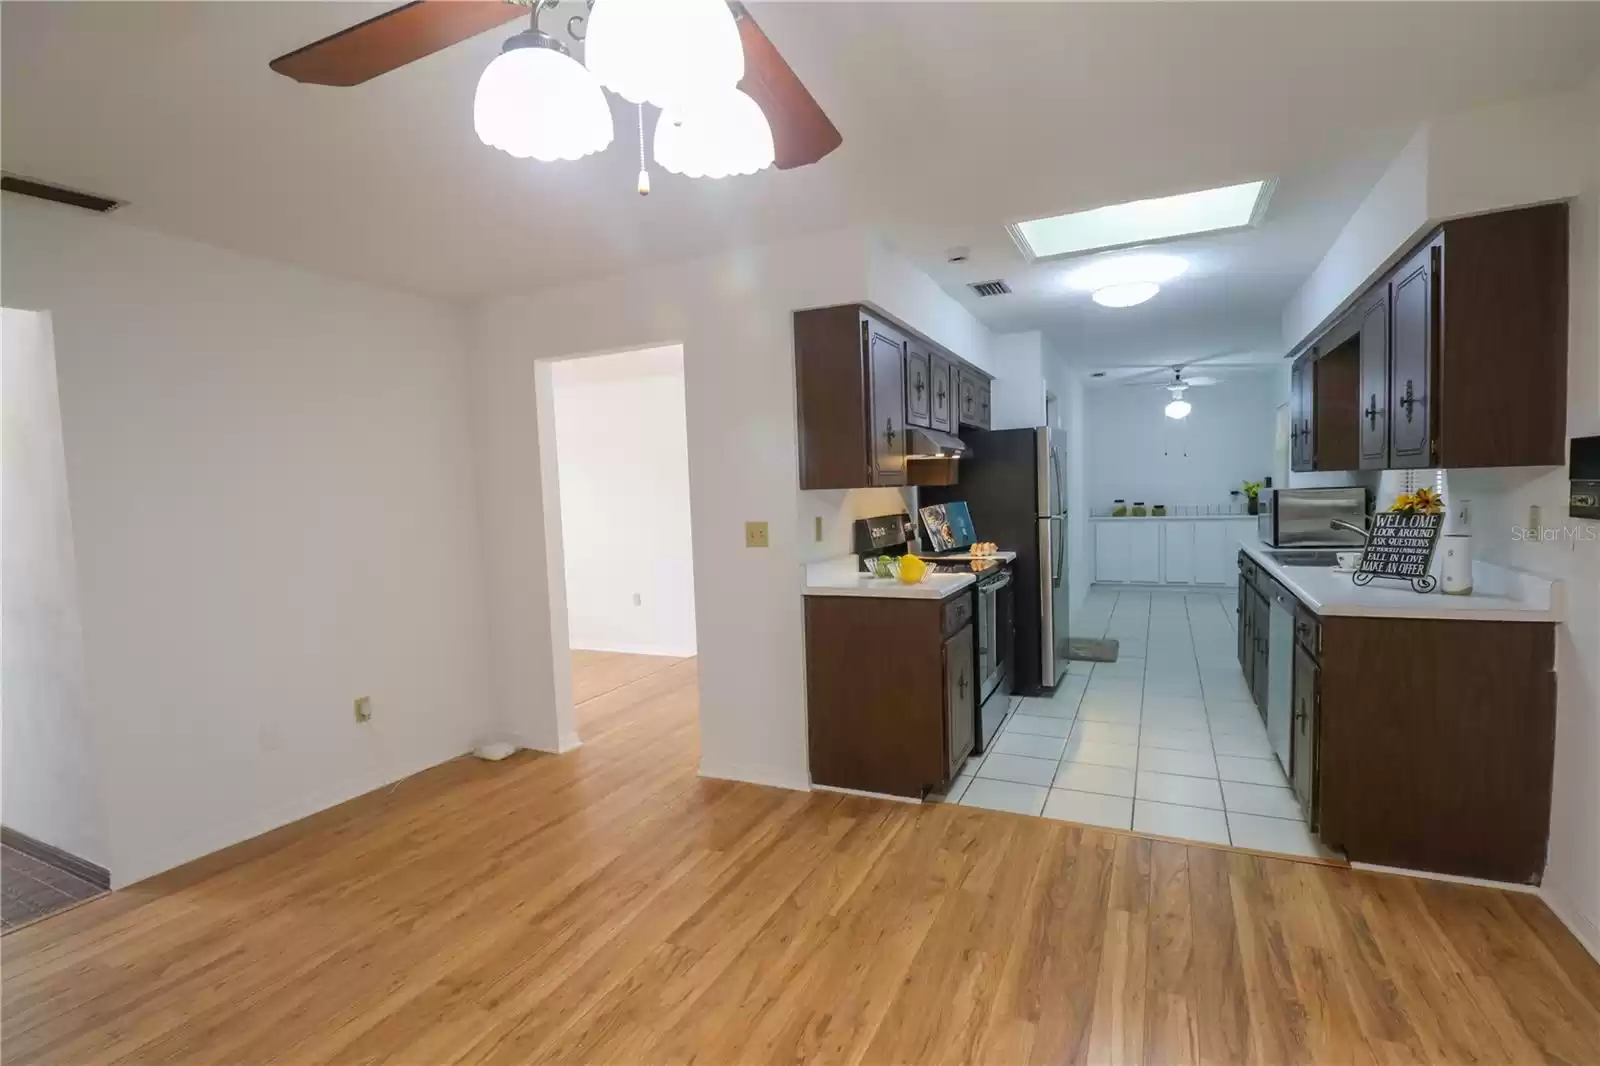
(801,133)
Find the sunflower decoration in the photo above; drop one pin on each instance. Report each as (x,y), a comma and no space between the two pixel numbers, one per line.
(1422,501)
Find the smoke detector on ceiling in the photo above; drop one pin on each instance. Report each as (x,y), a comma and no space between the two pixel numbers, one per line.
(990,288)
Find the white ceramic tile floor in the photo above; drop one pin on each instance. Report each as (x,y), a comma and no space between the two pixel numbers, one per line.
(1090,808)
(1164,741)
(1018,768)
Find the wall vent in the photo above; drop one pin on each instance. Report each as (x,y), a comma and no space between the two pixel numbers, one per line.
(990,288)
(57,194)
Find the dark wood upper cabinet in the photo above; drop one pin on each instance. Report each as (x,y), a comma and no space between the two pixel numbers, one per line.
(857,373)
(941,404)
(1499,397)
(1336,382)
(887,418)
(1300,401)
(919,385)
(968,395)
(1461,354)
(1373,391)
(1411,358)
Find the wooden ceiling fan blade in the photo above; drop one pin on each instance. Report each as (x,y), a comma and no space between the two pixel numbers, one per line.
(393,39)
(801,132)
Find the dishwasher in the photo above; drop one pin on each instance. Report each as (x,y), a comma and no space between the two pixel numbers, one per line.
(1280,673)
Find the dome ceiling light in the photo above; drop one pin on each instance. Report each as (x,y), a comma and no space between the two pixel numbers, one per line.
(1126,280)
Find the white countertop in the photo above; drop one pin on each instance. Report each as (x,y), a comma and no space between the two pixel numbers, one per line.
(1174,518)
(1500,594)
(842,577)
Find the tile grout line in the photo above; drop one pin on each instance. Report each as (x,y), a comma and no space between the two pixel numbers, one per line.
(1210,736)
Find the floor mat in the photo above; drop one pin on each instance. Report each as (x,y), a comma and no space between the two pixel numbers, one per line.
(1092,649)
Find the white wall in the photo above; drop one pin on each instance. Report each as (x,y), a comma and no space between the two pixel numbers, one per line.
(733,316)
(1510,154)
(1017,394)
(271,488)
(1136,452)
(622,450)
(51,777)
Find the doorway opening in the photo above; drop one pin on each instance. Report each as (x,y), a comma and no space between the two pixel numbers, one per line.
(622,475)
(53,850)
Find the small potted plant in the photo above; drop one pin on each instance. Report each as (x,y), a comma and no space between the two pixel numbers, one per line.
(1252,494)
(1422,501)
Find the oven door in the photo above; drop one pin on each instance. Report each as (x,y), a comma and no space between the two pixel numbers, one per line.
(993,636)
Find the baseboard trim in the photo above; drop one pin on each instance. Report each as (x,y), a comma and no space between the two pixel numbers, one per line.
(51,855)
(1454,879)
(869,795)
(639,649)
(1581,929)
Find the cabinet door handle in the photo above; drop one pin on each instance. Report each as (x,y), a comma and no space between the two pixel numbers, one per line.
(888,432)
(939,394)
(1409,400)
(919,386)
(961,684)
(1372,412)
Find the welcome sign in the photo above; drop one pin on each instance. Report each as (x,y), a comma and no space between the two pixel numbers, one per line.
(1400,547)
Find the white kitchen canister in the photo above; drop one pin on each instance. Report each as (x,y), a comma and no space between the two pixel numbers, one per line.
(1455,564)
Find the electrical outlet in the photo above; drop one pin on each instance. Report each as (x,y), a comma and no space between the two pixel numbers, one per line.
(637,599)
(755,534)
(363,708)
(819,529)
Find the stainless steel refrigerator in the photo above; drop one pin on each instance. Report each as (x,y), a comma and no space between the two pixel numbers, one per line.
(1014,485)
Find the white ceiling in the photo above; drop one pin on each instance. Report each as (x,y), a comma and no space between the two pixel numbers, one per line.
(957,118)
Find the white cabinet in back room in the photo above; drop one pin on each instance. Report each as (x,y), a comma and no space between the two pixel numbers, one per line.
(1169,552)
(1144,552)
(1111,553)
(1216,550)
(1178,559)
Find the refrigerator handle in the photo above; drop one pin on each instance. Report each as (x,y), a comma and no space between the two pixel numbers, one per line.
(1058,550)
(1055,476)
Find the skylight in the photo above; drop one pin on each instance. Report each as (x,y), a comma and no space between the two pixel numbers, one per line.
(1141,221)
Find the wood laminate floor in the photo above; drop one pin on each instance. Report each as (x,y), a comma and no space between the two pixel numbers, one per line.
(609,906)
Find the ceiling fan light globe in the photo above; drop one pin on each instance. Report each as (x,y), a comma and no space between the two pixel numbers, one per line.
(664,52)
(1179,409)
(1127,295)
(539,103)
(715,137)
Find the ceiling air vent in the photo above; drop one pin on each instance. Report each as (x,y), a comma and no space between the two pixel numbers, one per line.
(56,194)
(990,288)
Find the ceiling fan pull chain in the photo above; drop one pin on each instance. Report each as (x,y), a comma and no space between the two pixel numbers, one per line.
(644,175)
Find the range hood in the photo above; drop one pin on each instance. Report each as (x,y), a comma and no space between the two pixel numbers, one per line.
(932,444)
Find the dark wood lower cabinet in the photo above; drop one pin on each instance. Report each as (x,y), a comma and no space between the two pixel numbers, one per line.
(1436,741)
(890,691)
(1421,743)
(1303,732)
(960,698)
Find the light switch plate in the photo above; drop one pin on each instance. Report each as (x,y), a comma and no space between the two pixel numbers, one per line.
(755,534)
(363,708)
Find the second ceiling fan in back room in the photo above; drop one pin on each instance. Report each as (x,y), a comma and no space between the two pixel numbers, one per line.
(729,103)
